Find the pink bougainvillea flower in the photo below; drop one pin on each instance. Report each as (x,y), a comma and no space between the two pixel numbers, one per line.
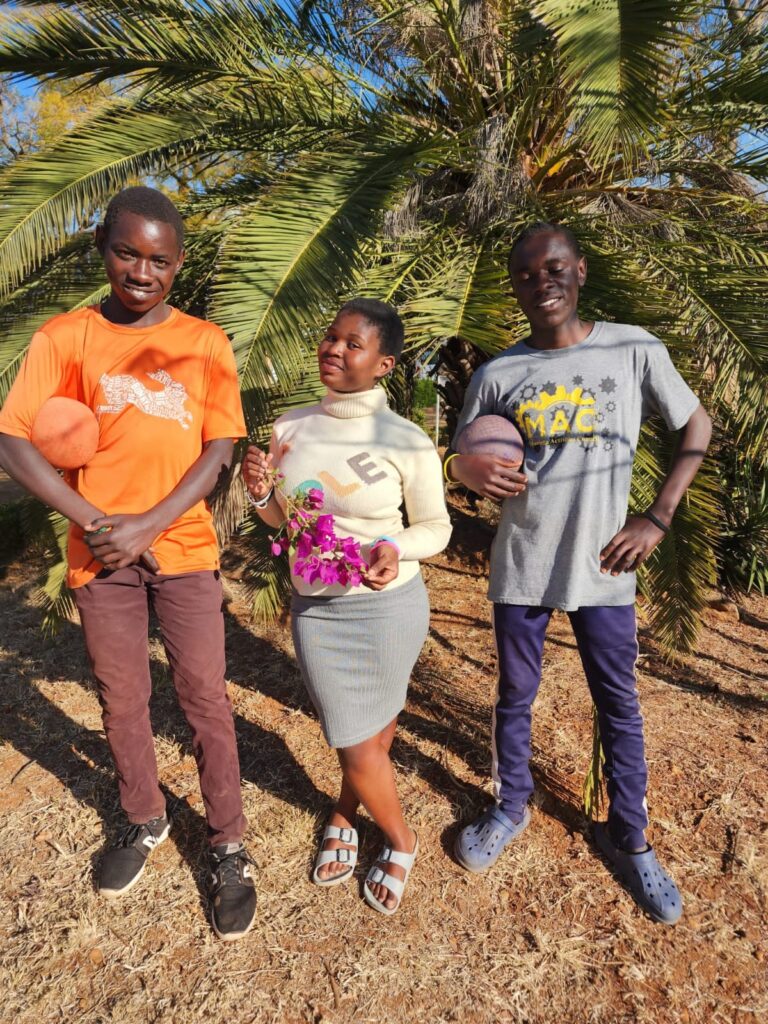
(320,553)
(303,545)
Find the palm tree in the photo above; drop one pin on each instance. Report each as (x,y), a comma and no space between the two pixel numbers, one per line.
(394,148)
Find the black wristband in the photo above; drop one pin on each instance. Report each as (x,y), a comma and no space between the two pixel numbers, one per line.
(656,521)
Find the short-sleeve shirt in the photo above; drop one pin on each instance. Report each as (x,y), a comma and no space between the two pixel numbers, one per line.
(159,393)
(580,410)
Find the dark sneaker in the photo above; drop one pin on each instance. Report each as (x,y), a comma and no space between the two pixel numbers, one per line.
(645,879)
(124,863)
(232,890)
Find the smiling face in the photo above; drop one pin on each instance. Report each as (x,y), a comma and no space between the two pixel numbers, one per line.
(141,259)
(350,356)
(546,276)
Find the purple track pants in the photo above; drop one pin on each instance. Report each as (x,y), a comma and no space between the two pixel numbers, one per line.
(607,643)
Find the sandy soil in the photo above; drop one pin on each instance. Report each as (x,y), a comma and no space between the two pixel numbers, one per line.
(547,936)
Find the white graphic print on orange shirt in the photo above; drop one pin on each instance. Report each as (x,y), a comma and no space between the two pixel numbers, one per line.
(168,404)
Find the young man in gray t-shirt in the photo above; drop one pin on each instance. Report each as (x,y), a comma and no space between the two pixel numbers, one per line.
(578,392)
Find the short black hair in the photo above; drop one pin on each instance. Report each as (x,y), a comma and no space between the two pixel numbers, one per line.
(385,319)
(543,227)
(148,203)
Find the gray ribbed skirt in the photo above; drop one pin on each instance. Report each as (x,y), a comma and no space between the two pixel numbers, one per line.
(356,654)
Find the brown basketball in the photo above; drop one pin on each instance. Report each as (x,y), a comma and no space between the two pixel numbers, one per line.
(66,433)
(492,435)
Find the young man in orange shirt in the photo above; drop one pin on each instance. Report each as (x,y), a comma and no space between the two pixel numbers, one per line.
(164,388)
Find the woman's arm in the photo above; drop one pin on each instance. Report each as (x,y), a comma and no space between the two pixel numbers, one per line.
(429,528)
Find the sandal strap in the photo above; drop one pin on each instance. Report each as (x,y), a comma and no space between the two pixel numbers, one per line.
(344,835)
(403,860)
(395,885)
(348,857)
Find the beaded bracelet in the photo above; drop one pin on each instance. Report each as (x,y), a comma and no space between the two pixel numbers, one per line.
(262,502)
(656,521)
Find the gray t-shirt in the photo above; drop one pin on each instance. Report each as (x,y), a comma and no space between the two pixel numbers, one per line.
(579,410)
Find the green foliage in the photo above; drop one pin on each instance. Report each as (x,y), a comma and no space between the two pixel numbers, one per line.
(267,579)
(394,149)
(424,393)
(593,789)
(743,542)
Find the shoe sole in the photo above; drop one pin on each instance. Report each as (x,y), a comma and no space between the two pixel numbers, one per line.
(111,894)
(233,936)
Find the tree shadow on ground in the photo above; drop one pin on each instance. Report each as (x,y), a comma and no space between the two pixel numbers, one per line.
(80,758)
(740,640)
(77,756)
(470,543)
(696,681)
(438,712)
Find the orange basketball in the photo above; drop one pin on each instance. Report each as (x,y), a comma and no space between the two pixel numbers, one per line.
(66,433)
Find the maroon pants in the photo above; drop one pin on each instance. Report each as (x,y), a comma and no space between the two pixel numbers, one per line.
(114,610)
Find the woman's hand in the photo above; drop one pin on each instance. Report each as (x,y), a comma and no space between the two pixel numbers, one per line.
(384,567)
(256,472)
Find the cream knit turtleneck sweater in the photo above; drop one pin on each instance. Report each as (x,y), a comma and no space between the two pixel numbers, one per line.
(368,461)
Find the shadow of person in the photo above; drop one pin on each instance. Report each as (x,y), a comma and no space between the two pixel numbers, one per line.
(33,725)
(437,711)
(259,667)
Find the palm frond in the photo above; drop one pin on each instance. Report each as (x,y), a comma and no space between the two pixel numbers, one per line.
(616,57)
(47,197)
(46,529)
(252,54)
(593,788)
(267,579)
(285,262)
(459,290)
(681,570)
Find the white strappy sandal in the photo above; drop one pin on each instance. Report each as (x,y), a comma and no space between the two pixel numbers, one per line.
(376,876)
(340,856)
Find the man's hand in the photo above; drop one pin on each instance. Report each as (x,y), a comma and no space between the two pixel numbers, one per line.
(630,547)
(488,475)
(256,472)
(384,567)
(121,540)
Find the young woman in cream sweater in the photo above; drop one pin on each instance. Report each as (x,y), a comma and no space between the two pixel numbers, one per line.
(357,645)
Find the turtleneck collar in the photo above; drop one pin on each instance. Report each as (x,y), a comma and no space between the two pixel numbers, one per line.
(359,403)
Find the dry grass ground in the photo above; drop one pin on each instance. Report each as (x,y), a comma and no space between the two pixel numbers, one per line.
(548,936)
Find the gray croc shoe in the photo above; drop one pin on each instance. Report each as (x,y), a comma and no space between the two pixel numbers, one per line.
(643,876)
(479,845)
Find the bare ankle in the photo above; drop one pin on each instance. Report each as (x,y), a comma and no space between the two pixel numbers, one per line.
(403,839)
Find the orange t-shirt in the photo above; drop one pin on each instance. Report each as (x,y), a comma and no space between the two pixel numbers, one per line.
(159,394)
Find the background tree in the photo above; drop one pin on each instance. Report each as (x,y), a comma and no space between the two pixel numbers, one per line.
(394,149)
